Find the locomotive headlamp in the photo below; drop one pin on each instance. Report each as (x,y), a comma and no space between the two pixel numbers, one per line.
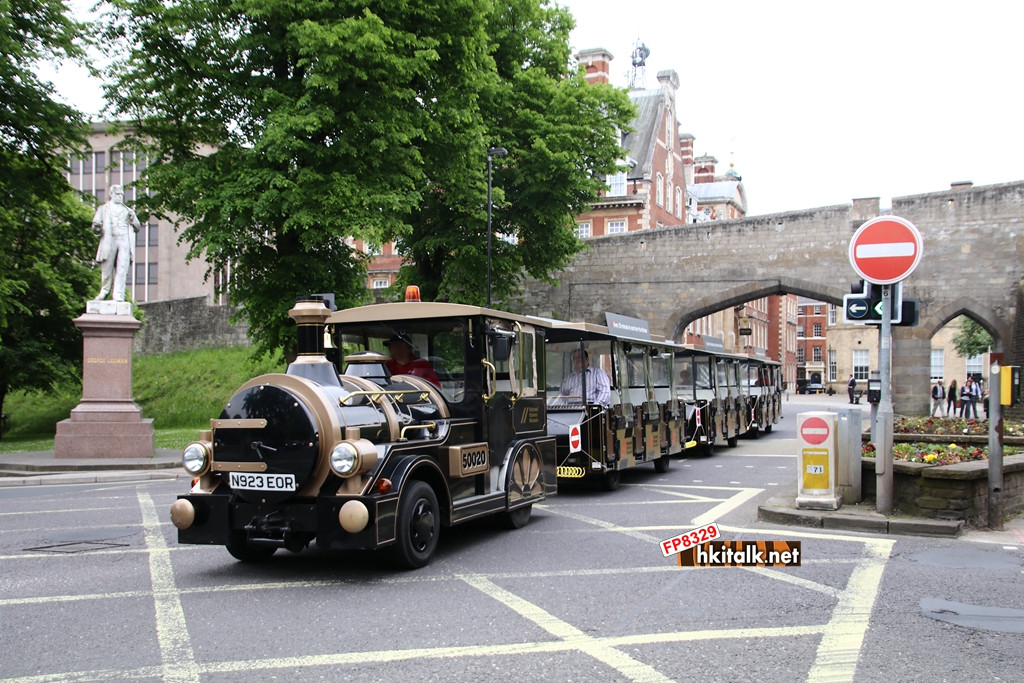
(349,458)
(196,457)
(344,459)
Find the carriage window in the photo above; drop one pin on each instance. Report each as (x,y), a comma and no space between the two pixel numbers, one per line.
(562,389)
(437,351)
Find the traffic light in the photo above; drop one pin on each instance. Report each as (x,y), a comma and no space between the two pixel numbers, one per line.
(864,304)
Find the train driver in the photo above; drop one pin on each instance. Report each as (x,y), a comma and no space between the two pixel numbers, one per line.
(598,385)
(404,361)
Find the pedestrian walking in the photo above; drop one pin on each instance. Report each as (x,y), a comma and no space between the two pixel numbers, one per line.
(951,399)
(969,396)
(938,398)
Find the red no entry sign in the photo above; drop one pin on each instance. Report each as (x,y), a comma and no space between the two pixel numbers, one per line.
(814,431)
(574,439)
(886,250)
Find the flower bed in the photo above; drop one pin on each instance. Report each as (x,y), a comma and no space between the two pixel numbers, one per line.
(951,425)
(937,454)
(941,468)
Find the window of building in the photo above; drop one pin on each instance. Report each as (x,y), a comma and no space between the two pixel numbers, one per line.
(381,284)
(800,331)
(148,236)
(99,195)
(861,364)
(659,191)
(617,184)
(974,365)
(668,198)
(832,366)
(816,354)
(817,310)
(832,314)
(817,329)
(938,364)
(582,230)
(145,273)
(616,227)
(800,354)
(679,202)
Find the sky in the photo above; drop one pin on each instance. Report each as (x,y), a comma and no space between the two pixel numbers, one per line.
(816,103)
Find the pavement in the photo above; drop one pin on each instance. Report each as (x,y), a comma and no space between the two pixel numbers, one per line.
(42,468)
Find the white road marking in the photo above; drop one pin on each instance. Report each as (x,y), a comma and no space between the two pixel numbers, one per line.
(179,663)
(620,661)
(840,645)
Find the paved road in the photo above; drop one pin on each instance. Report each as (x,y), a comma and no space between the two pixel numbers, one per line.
(95,587)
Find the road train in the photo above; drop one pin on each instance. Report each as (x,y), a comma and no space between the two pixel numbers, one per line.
(398,420)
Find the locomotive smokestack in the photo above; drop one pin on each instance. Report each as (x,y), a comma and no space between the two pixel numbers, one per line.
(310,316)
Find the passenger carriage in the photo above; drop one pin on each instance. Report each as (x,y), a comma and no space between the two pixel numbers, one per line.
(639,420)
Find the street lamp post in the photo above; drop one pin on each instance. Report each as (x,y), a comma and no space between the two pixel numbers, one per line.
(491,153)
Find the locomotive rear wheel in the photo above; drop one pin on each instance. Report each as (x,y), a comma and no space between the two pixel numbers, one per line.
(610,480)
(419,524)
(240,549)
(661,464)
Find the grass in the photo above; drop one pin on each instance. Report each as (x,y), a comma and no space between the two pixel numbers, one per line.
(181,391)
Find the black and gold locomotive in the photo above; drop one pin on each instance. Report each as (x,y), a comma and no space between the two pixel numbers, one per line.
(394,421)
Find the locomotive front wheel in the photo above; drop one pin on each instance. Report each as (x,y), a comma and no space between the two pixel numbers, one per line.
(419,524)
(243,552)
(516,519)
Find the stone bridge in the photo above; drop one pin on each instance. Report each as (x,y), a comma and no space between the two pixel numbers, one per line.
(972,264)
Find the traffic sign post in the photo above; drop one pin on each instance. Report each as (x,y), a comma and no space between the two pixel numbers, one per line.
(885,251)
(866,308)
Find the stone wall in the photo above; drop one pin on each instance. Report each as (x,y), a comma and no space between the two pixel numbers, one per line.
(972,265)
(183,324)
(949,491)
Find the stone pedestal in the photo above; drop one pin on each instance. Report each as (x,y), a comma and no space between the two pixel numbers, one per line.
(107,423)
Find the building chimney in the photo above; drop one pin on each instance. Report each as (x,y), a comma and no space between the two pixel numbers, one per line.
(686,152)
(669,80)
(598,63)
(704,169)
(961,185)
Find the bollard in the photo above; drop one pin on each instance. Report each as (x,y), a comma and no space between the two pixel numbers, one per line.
(817,484)
(848,443)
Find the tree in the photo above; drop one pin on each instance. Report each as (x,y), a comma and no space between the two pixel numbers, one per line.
(45,271)
(971,339)
(279,130)
(563,137)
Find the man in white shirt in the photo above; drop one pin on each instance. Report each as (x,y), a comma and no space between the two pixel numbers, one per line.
(598,386)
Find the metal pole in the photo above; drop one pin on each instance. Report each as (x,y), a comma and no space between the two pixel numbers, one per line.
(488,228)
(995,447)
(491,152)
(883,421)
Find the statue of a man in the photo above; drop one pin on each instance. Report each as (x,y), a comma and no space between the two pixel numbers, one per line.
(117,225)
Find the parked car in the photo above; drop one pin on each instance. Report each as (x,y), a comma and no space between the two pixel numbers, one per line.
(812,388)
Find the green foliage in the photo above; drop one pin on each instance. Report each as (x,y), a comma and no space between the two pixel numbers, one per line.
(971,339)
(279,128)
(45,269)
(180,391)
(562,135)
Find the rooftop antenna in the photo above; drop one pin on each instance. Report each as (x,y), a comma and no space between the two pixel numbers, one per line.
(638,75)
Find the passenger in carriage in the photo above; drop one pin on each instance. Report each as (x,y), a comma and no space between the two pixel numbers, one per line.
(404,360)
(598,384)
